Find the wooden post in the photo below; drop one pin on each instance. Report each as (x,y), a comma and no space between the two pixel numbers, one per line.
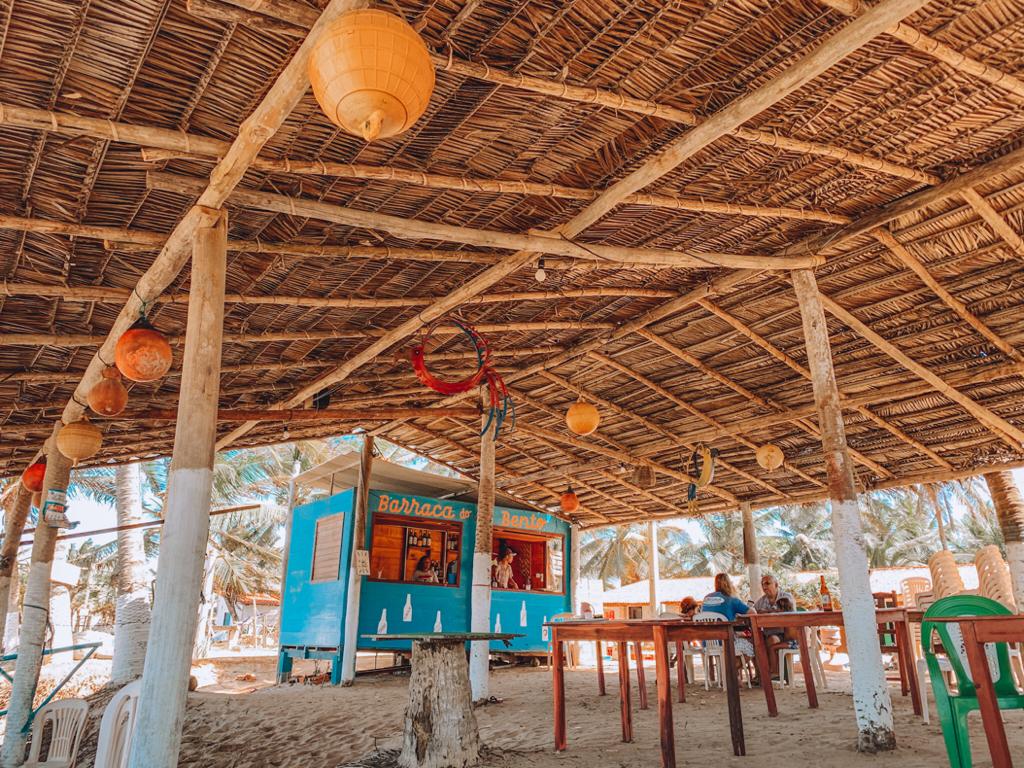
(652,554)
(1006,497)
(35,610)
(871,699)
(480,596)
(187,512)
(355,578)
(751,558)
(574,569)
(131,610)
(14,523)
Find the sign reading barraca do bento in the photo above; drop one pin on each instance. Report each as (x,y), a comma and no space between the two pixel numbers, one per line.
(414,507)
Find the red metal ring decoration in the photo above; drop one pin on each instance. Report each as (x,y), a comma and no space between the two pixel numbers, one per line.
(500,402)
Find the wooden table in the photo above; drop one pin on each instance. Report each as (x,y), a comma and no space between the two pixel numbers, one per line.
(440,727)
(660,632)
(978,630)
(759,622)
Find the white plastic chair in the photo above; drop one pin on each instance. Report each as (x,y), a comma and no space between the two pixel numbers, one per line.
(67,720)
(788,656)
(117,727)
(711,649)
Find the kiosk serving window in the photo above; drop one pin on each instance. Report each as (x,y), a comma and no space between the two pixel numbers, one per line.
(409,549)
(527,561)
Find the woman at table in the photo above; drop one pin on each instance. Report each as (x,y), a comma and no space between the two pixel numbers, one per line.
(687,607)
(425,573)
(724,601)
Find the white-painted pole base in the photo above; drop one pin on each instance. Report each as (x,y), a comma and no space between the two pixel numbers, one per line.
(480,621)
(351,639)
(360,510)
(750,554)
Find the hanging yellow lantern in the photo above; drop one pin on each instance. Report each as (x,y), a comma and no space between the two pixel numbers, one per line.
(79,440)
(769,456)
(569,502)
(582,418)
(371,73)
(108,396)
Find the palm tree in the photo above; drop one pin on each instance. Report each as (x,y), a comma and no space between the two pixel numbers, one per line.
(897,531)
(615,554)
(802,535)
(721,547)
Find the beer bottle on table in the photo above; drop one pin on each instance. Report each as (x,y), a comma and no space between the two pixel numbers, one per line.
(826,596)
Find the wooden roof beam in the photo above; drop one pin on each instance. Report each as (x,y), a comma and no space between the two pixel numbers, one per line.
(931,47)
(297,14)
(992,217)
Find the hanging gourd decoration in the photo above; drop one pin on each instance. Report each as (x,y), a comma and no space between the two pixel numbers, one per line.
(108,396)
(142,353)
(701,467)
(32,477)
(79,440)
(569,502)
(582,418)
(769,456)
(371,73)
(643,477)
(499,406)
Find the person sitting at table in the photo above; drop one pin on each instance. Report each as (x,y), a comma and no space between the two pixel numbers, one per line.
(687,607)
(424,573)
(724,601)
(771,601)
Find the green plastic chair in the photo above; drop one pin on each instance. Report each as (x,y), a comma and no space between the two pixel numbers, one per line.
(953,708)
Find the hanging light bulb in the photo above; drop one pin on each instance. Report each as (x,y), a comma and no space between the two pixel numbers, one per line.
(540,274)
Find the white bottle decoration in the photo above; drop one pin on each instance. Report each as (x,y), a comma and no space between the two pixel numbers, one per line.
(544,630)
(522,615)
(437,623)
(497,623)
(407,611)
(382,625)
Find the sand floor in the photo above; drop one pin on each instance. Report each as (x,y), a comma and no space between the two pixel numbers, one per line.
(324,727)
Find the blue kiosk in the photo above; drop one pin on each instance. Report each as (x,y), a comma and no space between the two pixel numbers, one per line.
(420,533)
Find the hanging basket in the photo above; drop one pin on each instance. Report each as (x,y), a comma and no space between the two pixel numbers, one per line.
(108,396)
(643,476)
(582,418)
(371,73)
(142,353)
(79,440)
(32,477)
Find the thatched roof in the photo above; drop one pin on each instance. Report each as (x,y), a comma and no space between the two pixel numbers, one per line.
(887,122)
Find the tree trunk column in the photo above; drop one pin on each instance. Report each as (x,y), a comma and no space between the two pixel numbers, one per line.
(480,596)
(355,579)
(187,512)
(35,610)
(655,575)
(131,609)
(574,569)
(871,700)
(14,524)
(1006,497)
(750,556)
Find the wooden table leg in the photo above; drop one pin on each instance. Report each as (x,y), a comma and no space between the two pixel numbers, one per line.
(641,675)
(732,692)
(906,645)
(558,686)
(805,665)
(764,670)
(681,670)
(600,668)
(990,717)
(627,715)
(663,680)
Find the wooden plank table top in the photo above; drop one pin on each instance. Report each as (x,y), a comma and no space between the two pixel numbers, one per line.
(659,632)
(801,620)
(978,630)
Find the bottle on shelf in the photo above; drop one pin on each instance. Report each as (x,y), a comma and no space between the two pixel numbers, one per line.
(826,596)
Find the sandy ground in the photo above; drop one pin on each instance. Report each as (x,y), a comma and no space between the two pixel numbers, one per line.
(324,727)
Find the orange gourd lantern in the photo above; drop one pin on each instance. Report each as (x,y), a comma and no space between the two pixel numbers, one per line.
(570,502)
(79,440)
(371,73)
(32,477)
(582,418)
(142,353)
(769,456)
(108,396)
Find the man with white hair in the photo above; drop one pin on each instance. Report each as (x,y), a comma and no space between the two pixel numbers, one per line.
(769,602)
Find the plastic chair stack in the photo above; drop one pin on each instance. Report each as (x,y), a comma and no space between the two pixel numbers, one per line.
(994,576)
(946,579)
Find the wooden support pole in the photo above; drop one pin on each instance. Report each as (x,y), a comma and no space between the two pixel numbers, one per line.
(1009,505)
(575,569)
(871,700)
(16,509)
(183,541)
(35,609)
(132,612)
(751,558)
(360,552)
(480,595)
(654,575)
